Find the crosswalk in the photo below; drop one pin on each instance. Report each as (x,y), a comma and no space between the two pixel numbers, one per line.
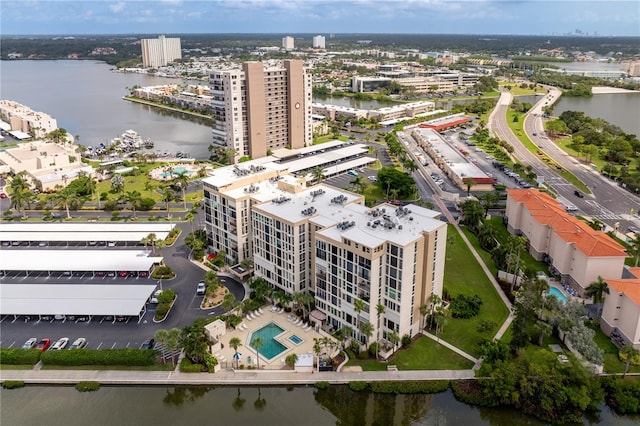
(607,216)
(602,213)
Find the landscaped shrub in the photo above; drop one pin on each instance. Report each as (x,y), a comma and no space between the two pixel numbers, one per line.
(373,349)
(363,355)
(146,204)
(406,340)
(162,272)
(462,306)
(358,386)
(166,296)
(186,366)
(161,311)
(321,385)
(622,395)
(87,386)
(12,384)
(470,392)
(406,387)
(128,356)
(19,356)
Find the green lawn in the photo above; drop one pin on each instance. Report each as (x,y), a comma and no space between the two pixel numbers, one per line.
(323,139)
(611,362)
(366,364)
(463,275)
(16,367)
(157,367)
(426,354)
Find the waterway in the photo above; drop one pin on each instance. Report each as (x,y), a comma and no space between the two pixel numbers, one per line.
(85,97)
(277,406)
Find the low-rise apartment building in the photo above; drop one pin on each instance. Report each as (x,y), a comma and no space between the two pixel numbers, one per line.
(576,252)
(24,119)
(621,310)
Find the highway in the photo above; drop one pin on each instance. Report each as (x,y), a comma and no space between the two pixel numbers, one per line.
(607,203)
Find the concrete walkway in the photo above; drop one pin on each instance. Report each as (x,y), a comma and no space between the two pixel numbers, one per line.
(225,377)
(450,346)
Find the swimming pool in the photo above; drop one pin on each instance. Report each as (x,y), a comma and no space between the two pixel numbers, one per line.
(270,348)
(295,339)
(558,294)
(176,172)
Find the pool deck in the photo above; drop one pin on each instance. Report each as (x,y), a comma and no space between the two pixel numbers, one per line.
(562,291)
(225,355)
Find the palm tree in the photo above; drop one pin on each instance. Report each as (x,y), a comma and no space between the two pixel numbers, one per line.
(173,342)
(160,244)
(117,184)
(150,240)
(291,360)
(424,310)
(358,306)
(318,174)
(394,338)
(257,343)
(167,196)
(596,290)
(357,182)
(380,309)
(434,303)
(92,186)
(162,337)
(65,198)
(366,328)
(189,217)
(469,182)
(133,198)
(21,198)
(182,181)
(235,343)
(629,353)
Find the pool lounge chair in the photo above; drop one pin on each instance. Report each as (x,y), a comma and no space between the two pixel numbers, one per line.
(297,321)
(249,316)
(244,327)
(281,310)
(256,313)
(289,318)
(260,310)
(274,308)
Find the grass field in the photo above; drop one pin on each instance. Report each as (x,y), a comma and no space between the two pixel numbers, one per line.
(463,275)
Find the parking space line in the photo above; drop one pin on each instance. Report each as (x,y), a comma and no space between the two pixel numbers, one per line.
(99,346)
(11,345)
(114,345)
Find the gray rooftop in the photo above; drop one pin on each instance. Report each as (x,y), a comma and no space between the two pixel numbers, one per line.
(77,260)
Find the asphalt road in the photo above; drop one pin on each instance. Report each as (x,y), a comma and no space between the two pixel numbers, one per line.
(102,333)
(608,203)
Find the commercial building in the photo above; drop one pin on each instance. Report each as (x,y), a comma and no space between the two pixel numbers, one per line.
(324,240)
(576,252)
(46,164)
(23,119)
(318,42)
(621,311)
(408,110)
(288,43)
(160,52)
(257,109)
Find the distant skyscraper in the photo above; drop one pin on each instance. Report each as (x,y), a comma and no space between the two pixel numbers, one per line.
(318,42)
(161,51)
(256,109)
(288,43)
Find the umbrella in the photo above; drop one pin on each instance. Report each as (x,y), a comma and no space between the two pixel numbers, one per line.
(237,356)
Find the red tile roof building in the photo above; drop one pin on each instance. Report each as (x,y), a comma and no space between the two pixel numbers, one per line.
(621,310)
(578,253)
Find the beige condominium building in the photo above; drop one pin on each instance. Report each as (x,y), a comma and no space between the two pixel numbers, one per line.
(160,52)
(258,109)
(24,119)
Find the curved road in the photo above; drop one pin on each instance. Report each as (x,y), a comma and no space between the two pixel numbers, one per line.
(607,203)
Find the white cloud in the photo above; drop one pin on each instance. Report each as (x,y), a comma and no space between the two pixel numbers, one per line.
(117,7)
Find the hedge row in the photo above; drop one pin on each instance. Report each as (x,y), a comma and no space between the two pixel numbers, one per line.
(401,387)
(186,366)
(135,357)
(19,356)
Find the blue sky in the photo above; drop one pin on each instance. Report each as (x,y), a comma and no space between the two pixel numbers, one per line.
(620,18)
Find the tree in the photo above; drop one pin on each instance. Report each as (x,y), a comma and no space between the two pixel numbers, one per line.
(394,338)
(150,240)
(434,302)
(133,198)
(117,184)
(596,290)
(380,309)
(167,196)
(357,183)
(66,198)
(21,198)
(189,217)
(257,343)
(162,337)
(194,341)
(235,343)
(366,328)
(472,214)
(468,182)
(424,310)
(182,181)
(629,355)
(358,306)
(318,174)
(291,360)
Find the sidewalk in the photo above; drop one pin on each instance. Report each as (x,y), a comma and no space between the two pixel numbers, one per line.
(226,377)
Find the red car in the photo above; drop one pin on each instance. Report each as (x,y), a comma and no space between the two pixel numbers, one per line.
(43,344)
(3,195)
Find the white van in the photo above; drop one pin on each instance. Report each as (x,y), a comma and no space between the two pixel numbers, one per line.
(571,208)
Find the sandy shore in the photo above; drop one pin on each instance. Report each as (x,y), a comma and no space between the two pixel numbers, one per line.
(601,90)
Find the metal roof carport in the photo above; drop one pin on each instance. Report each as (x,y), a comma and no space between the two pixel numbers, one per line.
(76,260)
(74,299)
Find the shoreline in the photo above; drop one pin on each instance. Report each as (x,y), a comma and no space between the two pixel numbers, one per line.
(605,90)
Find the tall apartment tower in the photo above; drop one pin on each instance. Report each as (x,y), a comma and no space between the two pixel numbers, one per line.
(318,42)
(256,110)
(160,52)
(288,43)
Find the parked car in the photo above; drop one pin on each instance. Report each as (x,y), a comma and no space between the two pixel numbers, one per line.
(201,289)
(3,195)
(578,194)
(43,344)
(79,343)
(148,344)
(60,344)
(29,344)
(352,173)
(154,298)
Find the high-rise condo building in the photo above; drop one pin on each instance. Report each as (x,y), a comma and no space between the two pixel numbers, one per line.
(160,52)
(325,241)
(288,43)
(318,42)
(257,109)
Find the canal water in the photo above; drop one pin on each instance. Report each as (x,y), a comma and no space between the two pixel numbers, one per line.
(266,406)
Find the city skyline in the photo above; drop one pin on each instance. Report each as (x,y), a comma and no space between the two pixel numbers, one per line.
(48,17)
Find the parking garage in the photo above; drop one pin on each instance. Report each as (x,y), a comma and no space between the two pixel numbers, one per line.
(71,301)
(43,262)
(80,234)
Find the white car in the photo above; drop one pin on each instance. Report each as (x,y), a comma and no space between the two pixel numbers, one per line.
(372,178)
(60,344)
(154,298)
(29,344)
(79,343)
(201,289)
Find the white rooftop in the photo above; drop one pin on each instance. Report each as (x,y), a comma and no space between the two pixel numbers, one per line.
(73,299)
(20,135)
(82,231)
(77,260)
